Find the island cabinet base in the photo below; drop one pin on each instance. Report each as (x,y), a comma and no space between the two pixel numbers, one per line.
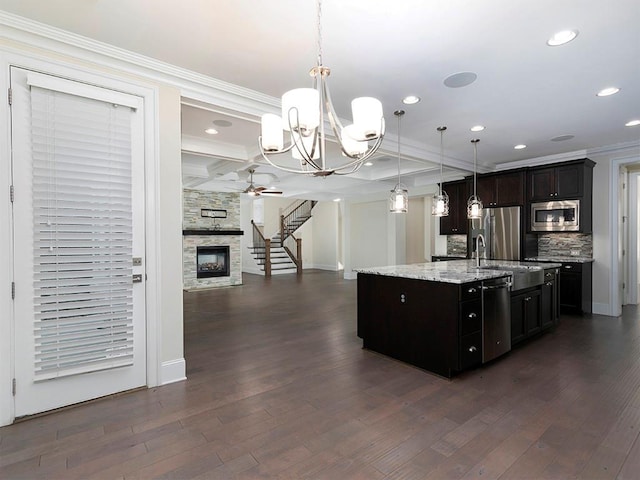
(436,326)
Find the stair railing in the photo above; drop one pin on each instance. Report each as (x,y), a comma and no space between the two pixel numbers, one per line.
(289,222)
(297,258)
(262,244)
(294,219)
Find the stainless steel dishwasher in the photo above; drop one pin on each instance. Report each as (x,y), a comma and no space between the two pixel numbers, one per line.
(496,318)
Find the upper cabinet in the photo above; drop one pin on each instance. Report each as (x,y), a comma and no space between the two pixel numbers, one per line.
(501,189)
(456,222)
(565,181)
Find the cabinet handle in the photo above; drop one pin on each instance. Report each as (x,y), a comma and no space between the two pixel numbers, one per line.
(472,349)
(472,290)
(472,315)
(527,299)
(549,284)
(568,266)
(549,275)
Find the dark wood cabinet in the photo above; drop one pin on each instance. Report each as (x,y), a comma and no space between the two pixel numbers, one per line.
(556,183)
(575,287)
(549,308)
(525,314)
(502,189)
(396,318)
(564,181)
(456,222)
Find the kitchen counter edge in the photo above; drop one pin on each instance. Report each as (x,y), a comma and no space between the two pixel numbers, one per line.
(455,271)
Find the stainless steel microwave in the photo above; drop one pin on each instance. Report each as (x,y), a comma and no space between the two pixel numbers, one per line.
(558,216)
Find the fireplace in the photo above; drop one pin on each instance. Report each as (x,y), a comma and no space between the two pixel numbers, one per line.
(212,261)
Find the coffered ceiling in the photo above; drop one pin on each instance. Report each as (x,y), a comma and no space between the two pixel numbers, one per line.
(526,92)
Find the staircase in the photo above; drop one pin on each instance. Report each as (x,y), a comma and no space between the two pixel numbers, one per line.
(281,262)
(272,255)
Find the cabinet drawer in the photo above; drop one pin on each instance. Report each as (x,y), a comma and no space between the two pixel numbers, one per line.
(571,267)
(470,350)
(470,317)
(470,291)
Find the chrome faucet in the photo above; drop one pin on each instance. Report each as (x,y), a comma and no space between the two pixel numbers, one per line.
(484,245)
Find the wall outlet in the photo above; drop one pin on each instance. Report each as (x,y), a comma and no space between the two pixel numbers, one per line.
(575,253)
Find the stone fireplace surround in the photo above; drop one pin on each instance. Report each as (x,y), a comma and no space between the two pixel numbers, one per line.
(201,231)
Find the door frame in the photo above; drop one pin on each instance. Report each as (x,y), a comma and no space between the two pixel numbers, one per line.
(81,73)
(615,294)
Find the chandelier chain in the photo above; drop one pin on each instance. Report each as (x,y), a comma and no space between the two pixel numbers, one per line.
(319,32)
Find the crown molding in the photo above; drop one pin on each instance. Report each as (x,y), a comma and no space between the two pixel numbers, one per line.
(194,85)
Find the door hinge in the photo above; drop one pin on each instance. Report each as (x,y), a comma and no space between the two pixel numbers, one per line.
(13,387)
(13,290)
(12,193)
(10,96)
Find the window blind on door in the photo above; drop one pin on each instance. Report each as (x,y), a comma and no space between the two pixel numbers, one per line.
(82,220)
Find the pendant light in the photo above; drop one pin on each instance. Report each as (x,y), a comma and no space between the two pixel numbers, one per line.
(474,205)
(440,205)
(399,199)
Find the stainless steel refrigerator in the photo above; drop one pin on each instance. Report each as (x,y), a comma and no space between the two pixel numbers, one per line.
(501,229)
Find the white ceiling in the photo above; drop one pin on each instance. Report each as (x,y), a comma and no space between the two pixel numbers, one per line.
(526,92)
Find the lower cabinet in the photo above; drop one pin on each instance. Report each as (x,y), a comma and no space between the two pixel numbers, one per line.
(525,314)
(432,325)
(549,308)
(575,287)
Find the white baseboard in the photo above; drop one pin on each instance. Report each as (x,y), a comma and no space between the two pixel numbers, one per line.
(331,268)
(173,371)
(350,275)
(602,309)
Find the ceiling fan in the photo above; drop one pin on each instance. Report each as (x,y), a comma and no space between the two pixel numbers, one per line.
(257,191)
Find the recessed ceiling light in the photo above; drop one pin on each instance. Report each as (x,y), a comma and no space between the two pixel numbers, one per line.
(461,79)
(562,138)
(605,92)
(477,128)
(560,38)
(632,123)
(368,164)
(211,131)
(410,99)
(520,146)
(336,199)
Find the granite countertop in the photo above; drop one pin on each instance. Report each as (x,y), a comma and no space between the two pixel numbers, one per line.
(561,259)
(455,271)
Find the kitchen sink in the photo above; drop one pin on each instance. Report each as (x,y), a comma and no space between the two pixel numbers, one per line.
(521,277)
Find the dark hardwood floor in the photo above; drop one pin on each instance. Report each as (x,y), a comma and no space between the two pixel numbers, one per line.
(279,387)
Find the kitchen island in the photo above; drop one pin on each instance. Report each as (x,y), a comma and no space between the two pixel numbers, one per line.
(431,315)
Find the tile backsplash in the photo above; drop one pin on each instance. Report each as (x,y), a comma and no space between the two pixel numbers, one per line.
(457,245)
(562,244)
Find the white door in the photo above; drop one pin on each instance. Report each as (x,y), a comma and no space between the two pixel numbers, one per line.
(78,224)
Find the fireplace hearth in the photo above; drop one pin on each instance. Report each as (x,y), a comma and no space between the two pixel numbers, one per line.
(212,261)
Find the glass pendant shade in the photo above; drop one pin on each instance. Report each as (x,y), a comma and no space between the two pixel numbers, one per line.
(350,143)
(301,110)
(271,132)
(399,199)
(474,207)
(303,147)
(440,205)
(367,112)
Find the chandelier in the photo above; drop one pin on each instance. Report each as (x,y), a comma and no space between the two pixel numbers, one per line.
(304,112)
(399,198)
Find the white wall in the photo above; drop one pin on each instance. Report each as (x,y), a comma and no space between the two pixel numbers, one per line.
(326,236)
(368,230)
